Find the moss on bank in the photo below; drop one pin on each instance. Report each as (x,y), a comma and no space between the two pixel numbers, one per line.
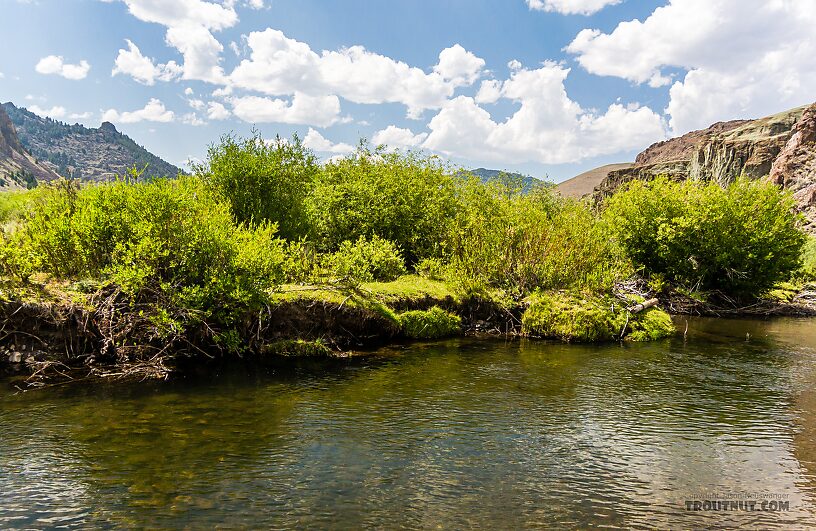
(430,324)
(582,317)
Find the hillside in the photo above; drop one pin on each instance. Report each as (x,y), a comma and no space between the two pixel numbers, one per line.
(80,152)
(527,182)
(585,183)
(780,147)
(18,169)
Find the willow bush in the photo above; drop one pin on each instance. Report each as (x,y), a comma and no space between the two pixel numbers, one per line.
(740,239)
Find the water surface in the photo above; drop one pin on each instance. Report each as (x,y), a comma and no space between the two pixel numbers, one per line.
(454,434)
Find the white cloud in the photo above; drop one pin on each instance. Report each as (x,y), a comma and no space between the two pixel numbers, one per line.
(754,64)
(489,91)
(217,111)
(459,65)
(514,64)
(192,119)
(56,112)
(548,127)
(2,75)
(196,103)
(80,115)
(571,7)
(321,111)
(397,137)
(131,62)
(190,24)
(153,111)
(55,64)
(280,66)
(201,52)
(173,13)
(315,141)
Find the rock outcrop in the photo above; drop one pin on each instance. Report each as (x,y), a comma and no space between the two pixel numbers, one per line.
(781,148)
(18,169)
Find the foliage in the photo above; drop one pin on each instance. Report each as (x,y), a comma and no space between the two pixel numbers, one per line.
(585,317)
(367,260)
(521,242)
(13,204)
(299,348)
(405,198)
(171,239)
(807,272)
(264,182)
(429,324)
(740,239)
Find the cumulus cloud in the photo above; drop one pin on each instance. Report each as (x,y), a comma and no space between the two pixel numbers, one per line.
(489,91)
(55,64)
(217,111)
(459,65)
(279,66)
(153,111)
(754,64)
(317,142)
(56,112)
(321,111)
(190,24)
(173,13)
(398,137)
(548,127)
(571,7)
(131,62)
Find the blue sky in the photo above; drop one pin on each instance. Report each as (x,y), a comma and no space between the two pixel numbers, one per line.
(545,87)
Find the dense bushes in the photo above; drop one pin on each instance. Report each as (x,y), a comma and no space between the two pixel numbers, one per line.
(405,198)
(366,260)
(171,238)
(263,181)
(740,239)
(504,239)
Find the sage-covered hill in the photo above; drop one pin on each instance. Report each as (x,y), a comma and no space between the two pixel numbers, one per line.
(88,154)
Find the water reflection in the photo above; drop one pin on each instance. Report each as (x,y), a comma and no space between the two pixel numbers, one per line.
(455,434)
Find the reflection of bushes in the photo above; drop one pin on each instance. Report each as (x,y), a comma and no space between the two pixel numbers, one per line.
(585,317)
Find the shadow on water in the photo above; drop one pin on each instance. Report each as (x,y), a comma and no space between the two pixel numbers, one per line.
(459,433)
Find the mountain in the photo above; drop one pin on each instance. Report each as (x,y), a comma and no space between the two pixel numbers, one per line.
(585,183)
(780,148)
(527,183)
(18,169)
(80,152)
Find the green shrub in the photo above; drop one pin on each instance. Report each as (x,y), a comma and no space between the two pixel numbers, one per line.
(263,181)
(366,260)
(429,324)
(807,271)
(739,239)
(405,198)
(521,242)
(170,238)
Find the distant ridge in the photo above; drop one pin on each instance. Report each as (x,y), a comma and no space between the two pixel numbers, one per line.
(90,154)
(585,183)
(528,183)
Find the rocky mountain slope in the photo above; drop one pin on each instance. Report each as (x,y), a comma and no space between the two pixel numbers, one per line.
(781,148)
(18,169)
(527,182)
(80,152)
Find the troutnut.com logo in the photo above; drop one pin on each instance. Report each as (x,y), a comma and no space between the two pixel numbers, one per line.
(738,501)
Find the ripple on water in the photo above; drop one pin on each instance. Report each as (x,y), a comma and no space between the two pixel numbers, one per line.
(453,434)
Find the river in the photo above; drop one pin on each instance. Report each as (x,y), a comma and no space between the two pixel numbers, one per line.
(446,435)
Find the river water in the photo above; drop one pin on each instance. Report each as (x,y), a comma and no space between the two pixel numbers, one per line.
(447,435)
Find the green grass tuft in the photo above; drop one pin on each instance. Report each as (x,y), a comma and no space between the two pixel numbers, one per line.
(429,324)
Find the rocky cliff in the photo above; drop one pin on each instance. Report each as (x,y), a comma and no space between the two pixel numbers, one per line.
(18,169)
(781,147)
(90,154)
